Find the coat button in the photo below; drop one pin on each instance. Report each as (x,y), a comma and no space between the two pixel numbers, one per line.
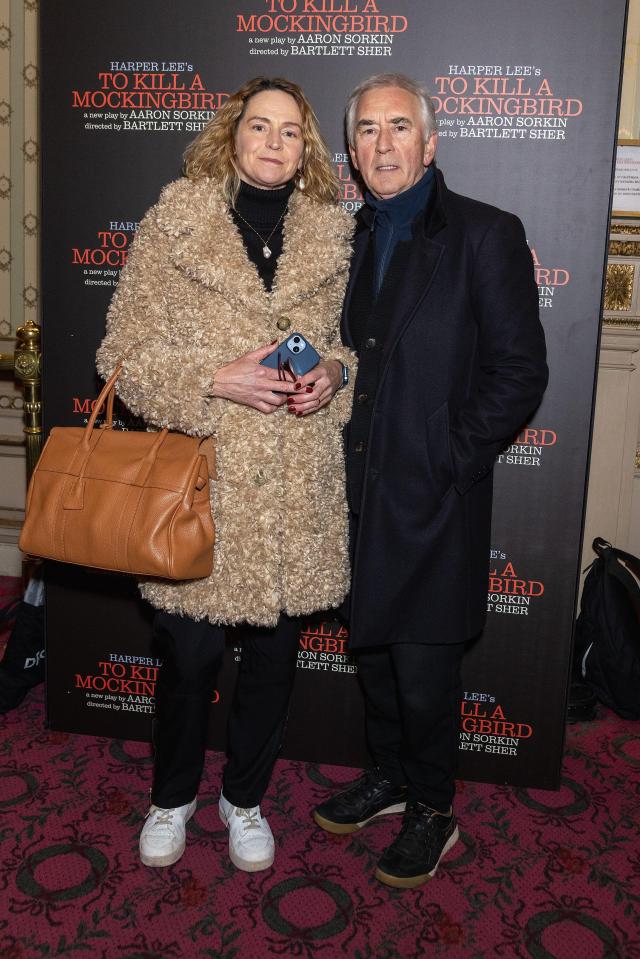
(360,447)
(363,397)
(370,343)
(283,323)
(260,478)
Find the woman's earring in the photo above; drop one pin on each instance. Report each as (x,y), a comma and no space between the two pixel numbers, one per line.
(301,184)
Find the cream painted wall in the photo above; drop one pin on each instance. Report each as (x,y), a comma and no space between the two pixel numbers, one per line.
(19,229)
(613,501)
(629,125)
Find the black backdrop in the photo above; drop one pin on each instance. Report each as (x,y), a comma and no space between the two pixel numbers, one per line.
(527,102)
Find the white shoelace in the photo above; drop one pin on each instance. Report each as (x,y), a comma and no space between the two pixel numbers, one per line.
(250,818)
(164,818)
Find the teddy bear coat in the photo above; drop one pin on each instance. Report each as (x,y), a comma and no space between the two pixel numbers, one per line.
(189,300)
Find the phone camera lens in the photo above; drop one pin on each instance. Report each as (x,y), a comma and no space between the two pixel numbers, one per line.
(296,349)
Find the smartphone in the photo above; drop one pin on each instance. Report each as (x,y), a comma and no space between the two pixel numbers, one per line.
(296,352)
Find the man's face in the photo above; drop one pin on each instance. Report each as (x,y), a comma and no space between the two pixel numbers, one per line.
(389,148)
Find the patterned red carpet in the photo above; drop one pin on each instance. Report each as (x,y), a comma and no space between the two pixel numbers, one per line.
(536,874)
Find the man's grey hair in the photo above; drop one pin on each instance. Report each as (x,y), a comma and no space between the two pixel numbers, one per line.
(419,91)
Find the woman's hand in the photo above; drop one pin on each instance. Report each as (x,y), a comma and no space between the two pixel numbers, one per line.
(316,389)
(245,381)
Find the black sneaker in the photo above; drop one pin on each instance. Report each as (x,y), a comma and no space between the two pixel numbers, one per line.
(367,797)
(413,857)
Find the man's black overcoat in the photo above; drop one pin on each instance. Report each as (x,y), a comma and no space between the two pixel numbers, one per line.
(461,367)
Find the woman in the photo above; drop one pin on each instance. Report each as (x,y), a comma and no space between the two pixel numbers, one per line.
(248,248)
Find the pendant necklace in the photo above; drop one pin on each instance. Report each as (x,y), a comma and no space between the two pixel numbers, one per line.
(266,251)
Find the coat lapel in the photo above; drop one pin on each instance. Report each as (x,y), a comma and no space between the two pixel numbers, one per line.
(208,246)
(423,262)
(424,258)
(359,249)
(310,257)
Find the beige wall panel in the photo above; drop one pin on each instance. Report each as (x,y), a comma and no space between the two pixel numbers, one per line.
(31,166)
(10,555)
(12,466)
(617,420)
(5,167)
(12,253)
(628,127)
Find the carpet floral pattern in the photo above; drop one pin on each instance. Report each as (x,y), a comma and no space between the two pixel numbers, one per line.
(546,875)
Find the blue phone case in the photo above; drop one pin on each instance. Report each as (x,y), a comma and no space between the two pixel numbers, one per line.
(297,351)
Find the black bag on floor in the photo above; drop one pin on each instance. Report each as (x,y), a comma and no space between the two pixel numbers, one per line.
(23,665)
(582,702)
(607,647)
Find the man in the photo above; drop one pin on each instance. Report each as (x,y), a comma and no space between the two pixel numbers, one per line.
(443,311)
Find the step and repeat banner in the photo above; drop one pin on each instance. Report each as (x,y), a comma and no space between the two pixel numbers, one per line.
(526,97)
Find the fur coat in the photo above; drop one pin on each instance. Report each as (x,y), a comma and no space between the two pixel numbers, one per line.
(189,301)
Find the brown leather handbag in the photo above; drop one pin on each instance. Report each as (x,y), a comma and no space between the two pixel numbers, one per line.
(131,502)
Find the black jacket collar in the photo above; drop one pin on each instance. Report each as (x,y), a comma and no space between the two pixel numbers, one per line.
(434,219)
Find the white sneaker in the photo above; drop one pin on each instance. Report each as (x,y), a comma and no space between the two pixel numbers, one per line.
(251,845)
(162,839)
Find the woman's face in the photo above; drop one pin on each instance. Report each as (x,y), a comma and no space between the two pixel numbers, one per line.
(268,141)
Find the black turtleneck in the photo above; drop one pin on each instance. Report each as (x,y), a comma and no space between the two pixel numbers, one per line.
(264,210)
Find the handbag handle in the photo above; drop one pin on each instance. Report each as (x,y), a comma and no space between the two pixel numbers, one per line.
(74,498)
(107,393)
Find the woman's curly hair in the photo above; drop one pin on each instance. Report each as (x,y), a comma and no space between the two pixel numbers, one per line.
(212,153)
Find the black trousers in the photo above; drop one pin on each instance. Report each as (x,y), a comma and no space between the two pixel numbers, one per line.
(191,654)
(412,697)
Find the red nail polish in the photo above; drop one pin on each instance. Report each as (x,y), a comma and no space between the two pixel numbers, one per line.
(309,389)
(298,386)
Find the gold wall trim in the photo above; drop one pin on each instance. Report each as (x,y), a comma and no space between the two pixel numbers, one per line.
(629,322)
(626,228)
(624,248)
(618,291)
